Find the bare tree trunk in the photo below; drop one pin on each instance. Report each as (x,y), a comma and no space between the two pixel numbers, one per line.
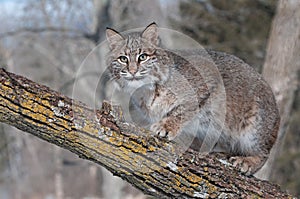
(58,179)
(101,19)
(93,181)
(15,162)
(281,66)
(127,14)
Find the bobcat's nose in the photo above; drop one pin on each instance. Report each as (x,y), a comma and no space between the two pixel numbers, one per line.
(133,70)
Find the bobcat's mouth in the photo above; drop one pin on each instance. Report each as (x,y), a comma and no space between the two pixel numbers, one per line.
(134,78)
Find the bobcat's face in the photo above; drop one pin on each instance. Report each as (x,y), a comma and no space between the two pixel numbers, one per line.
(132,64)
(135,60)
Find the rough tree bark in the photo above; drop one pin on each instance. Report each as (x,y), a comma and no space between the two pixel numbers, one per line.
(148,163)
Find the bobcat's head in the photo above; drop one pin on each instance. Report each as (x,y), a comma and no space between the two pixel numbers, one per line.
(136,59)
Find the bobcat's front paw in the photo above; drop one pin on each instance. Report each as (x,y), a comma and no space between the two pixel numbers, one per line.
(247,165)
(164,129)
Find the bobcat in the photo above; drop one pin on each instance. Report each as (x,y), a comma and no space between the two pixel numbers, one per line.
(213,96)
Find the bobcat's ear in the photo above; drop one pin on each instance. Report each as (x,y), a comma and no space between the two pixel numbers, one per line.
(113,37)
(151,34)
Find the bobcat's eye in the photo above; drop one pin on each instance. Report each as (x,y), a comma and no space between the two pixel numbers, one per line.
(123,59)
(143,57)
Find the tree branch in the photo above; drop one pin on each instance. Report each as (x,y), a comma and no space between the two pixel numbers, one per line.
(148,163)
(73,33)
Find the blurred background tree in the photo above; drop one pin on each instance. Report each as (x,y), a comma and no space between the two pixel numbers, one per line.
(47,41)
